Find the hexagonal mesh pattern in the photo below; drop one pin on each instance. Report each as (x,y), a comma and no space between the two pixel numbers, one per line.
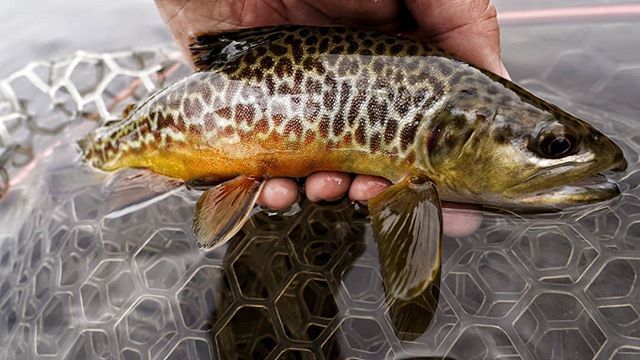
(79,282)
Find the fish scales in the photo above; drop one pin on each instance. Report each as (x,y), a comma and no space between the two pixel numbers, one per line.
(289,101)
(308,98)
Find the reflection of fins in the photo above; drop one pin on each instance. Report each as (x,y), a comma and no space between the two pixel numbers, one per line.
(135,189)
(407,224)
(411,318)
(221,211)
(66,181)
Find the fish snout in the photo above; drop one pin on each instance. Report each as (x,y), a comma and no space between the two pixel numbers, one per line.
(620,165)
(618,161)
(610,151)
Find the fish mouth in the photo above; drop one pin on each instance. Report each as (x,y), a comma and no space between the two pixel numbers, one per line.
(590,189)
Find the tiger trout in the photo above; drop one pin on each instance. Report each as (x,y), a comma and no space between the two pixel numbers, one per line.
(292,100)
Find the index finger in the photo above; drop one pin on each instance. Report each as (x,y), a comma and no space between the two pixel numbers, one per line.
(466,28)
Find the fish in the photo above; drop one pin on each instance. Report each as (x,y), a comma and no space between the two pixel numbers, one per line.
(287,101)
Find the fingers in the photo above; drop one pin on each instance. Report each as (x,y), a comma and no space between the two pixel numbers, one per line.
(281,193)
(326,185)
(278,194)
(364,187)
(379,14)
(456,222)
(467,28)
(188,17)
(460,222)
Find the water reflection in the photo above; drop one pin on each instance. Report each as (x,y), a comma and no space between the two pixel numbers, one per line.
(311,284)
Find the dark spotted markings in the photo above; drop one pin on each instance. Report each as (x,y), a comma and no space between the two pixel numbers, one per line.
(374,143)
(192,108)
(390,131)
(340,113)
(408,133)
(295,62)
(377,112)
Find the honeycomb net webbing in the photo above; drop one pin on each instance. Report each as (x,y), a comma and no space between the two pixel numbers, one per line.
(76,283)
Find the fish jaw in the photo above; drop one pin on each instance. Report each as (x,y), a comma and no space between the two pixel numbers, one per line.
(516,151)
(593,189)
(589,188)
(567,184)
(578,179)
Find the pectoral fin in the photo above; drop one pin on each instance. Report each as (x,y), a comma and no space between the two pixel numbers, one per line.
(407,224)
(411,318)
(222,210)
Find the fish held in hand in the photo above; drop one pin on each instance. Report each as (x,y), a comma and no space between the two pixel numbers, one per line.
(292,100)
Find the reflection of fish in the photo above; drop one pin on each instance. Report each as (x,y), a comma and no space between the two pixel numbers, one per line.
(288,101)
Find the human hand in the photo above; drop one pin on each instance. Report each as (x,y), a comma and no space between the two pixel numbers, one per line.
(466,28)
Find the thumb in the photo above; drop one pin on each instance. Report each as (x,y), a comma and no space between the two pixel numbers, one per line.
(466,28)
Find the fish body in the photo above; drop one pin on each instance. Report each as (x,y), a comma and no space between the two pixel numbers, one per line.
(292,100)
(315,98)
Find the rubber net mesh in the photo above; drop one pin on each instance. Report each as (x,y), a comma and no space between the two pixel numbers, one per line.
(76,283)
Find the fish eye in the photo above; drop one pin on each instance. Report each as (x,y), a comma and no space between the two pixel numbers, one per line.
(555,146)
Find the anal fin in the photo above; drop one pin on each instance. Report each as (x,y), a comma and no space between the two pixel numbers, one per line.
(222,210)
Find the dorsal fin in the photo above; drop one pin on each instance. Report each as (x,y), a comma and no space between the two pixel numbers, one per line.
(210,51)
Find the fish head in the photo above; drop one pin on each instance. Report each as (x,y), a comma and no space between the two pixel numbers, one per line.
(515,150)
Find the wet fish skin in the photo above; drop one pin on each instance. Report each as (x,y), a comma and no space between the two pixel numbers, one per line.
(317,106)
(294,100)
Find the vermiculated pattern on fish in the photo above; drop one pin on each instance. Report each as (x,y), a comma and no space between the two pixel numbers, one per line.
(332,92)
(292,100)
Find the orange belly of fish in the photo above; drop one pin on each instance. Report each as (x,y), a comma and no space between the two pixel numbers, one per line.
(212,163)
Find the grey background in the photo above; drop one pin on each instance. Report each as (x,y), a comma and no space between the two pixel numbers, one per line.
(76,285)
(48,29)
